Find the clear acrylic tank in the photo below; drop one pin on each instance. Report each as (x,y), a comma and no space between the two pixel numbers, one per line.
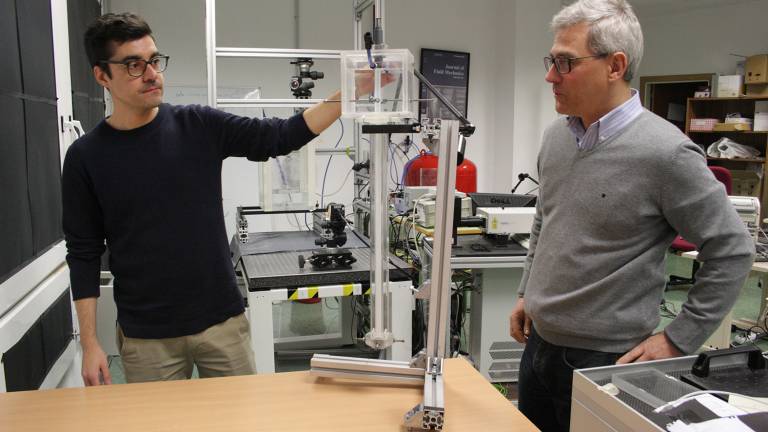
(390,82)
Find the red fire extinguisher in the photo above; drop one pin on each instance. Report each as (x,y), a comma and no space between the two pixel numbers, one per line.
(422,171)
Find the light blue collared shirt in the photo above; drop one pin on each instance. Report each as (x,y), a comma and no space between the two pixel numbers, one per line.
(608,125)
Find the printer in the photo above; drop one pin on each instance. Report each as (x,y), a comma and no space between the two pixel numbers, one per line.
(748,208)
(424,208)
(507,221)
(505,214)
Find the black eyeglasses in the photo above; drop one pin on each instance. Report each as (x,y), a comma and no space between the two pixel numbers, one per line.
(565,64)
(137,67)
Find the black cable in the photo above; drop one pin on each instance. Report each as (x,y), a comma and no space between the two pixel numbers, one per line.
(668,310)
(368,245)
(393,165)
(368,39)
(361,190)
(325,302)
(402,270)
(396,235)
(322,189)
(352,329)
(460,319)
(296,218)
(417,333)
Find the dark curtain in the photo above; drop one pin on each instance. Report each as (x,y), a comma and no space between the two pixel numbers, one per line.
(30,173)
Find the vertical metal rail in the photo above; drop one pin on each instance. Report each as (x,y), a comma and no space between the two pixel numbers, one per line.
(358,7)
(440,292)
(210,49)
(430,414)
(378,24)
(297,27)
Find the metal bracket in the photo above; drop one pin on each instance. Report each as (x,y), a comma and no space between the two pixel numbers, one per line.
(379,370)
(430,414)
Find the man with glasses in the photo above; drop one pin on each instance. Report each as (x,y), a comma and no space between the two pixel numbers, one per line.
(617,184)
(147,180)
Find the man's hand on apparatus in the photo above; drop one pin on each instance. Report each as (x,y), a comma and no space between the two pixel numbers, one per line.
(364,81)
(655,347)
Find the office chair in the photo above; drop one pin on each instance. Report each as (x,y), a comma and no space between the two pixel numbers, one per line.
(680,245)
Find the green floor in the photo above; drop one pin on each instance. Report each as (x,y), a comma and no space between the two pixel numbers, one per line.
(747,306)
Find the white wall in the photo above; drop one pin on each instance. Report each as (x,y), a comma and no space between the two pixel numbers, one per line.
(699,41)
(534,106)
(428,24)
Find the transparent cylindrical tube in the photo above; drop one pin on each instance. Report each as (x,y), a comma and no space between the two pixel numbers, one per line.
(379,336)
(377,96)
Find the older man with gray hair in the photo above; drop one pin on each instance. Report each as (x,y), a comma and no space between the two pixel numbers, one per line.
(617,184)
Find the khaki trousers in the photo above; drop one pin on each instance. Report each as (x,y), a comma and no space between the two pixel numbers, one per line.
(221,350)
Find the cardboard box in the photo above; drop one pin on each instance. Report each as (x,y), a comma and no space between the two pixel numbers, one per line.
(738,120)
(760,90)
(729,85)
(730,127)
(756,69)
(745,183)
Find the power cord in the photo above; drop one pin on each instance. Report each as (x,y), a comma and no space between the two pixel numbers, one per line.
(668,309)
(322,189)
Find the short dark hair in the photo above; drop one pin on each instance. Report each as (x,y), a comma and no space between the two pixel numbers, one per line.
(109,29)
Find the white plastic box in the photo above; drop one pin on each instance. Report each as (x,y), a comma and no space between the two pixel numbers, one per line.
(730,85)
(390,81)
(761,116)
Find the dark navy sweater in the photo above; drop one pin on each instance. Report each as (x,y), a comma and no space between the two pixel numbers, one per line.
(154,194)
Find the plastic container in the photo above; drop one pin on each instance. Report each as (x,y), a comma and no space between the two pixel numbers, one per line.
(379,93)
(651,386)
(703,124)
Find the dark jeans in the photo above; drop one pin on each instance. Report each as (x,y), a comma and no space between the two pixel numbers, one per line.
(545,380)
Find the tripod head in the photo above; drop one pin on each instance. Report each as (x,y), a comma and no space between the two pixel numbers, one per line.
(302,89)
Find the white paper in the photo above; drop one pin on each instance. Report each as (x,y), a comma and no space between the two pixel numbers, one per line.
(749,405)
(718,406)
(717,425)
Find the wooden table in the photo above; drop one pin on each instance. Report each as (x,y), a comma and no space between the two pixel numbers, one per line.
(292,401)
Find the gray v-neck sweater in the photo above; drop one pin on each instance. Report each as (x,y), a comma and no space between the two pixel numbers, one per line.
(595,272)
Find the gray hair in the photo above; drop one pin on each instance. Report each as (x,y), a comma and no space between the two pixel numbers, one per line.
(613,27)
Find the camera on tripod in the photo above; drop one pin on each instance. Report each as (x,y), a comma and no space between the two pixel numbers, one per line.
(300,88)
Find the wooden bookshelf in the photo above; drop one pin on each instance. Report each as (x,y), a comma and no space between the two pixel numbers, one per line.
(718,108)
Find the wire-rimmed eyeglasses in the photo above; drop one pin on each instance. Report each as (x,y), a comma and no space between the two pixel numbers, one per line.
(565,64)
(137,67)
